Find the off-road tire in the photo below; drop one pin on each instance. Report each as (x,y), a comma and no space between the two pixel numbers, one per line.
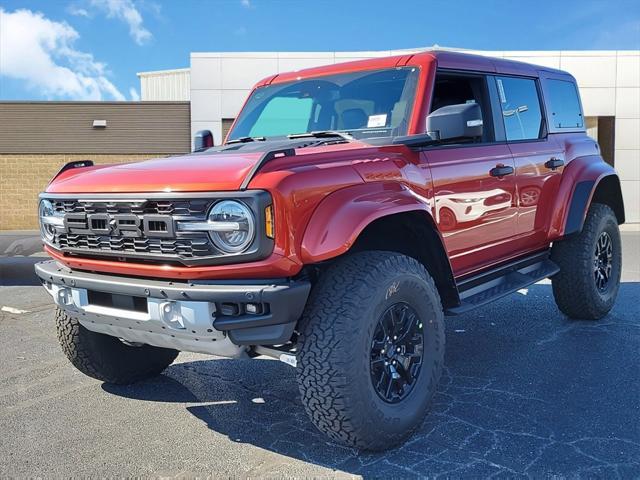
(574,287)
(107,358)
(335,341)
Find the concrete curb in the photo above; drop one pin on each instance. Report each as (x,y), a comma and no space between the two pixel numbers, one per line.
(630,227)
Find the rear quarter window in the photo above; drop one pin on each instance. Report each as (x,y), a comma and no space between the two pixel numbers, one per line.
(564,104)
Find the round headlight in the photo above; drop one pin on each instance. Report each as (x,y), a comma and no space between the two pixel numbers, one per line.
(46,211)
(240,231)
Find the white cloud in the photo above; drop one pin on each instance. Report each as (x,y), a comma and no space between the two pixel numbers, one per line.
(77,11)
(133,93)
(41,52)
(126,11)
(245,3)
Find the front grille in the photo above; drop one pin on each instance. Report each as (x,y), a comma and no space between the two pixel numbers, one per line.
(184,208)
(181,248)
(156,242)
(133,228)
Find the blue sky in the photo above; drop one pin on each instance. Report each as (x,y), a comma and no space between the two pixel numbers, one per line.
(92,49)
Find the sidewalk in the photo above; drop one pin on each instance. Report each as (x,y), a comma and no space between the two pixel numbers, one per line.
(630,227)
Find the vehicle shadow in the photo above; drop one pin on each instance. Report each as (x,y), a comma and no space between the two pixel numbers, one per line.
(250,401)
(525,391)
(19,271)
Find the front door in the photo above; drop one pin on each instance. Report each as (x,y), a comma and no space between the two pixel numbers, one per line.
(474,181)
(475,204)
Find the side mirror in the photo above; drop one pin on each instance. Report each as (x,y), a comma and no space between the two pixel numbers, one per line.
(463,120)
(202,140)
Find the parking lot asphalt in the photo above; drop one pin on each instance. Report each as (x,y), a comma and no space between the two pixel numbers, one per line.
(526,392)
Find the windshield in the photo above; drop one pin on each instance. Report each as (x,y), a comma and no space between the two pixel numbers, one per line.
(374,103)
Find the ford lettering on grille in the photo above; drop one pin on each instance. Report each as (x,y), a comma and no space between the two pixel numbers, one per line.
(120,225)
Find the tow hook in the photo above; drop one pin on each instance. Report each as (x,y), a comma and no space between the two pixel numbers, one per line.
(285,357)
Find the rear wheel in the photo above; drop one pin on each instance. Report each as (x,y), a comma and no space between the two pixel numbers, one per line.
(371,349)
(107,358)
(590,266)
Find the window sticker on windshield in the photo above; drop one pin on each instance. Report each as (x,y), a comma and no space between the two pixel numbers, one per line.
(377,120)
(503,97)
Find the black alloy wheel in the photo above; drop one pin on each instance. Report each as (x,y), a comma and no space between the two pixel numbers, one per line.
(396,352)
(603,263)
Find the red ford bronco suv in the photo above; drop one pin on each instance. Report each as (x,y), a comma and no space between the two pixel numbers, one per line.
(349,210)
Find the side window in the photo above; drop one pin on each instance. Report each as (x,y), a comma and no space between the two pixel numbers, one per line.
(283,115)
(453,89)
(520,106)
(564,104)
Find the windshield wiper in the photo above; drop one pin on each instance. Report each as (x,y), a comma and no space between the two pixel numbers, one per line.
(322,134)
(246,140)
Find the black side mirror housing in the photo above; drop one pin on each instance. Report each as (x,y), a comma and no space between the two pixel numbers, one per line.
(202,140)
(458,121)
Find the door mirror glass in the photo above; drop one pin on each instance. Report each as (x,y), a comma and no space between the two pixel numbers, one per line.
(202,140)
(460,121)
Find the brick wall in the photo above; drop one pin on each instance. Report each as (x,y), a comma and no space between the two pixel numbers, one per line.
(23,177)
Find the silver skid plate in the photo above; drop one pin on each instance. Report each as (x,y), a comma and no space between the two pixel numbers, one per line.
(177,324)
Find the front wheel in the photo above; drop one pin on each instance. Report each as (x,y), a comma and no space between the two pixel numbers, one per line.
(371,349)
(590,266)
(107,358)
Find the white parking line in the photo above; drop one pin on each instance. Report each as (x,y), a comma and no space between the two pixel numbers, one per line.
(13,310)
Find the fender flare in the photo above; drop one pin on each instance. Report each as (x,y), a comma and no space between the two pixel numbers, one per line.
(580,181)
(341,217)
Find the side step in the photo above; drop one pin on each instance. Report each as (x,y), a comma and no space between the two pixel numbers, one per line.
(489,286)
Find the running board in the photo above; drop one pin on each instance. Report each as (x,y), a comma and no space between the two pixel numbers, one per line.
(489,286)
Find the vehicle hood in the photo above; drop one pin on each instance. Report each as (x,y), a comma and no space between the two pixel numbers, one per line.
(220,169)
(199,172)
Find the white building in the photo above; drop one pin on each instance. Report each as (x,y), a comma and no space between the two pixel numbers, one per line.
(218,83)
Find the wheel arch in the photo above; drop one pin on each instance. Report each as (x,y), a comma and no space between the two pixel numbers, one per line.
(609,192)
(604,189)
(585,180)
(361,218)
(416,236)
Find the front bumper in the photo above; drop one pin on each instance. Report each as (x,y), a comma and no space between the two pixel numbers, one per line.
(220,318)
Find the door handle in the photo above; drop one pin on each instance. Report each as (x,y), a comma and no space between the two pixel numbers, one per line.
(554,163)
(500,171)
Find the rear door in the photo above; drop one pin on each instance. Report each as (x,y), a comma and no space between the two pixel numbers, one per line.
(474,182)
(539,160)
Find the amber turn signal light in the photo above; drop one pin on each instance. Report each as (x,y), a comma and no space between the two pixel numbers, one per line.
(268,226)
